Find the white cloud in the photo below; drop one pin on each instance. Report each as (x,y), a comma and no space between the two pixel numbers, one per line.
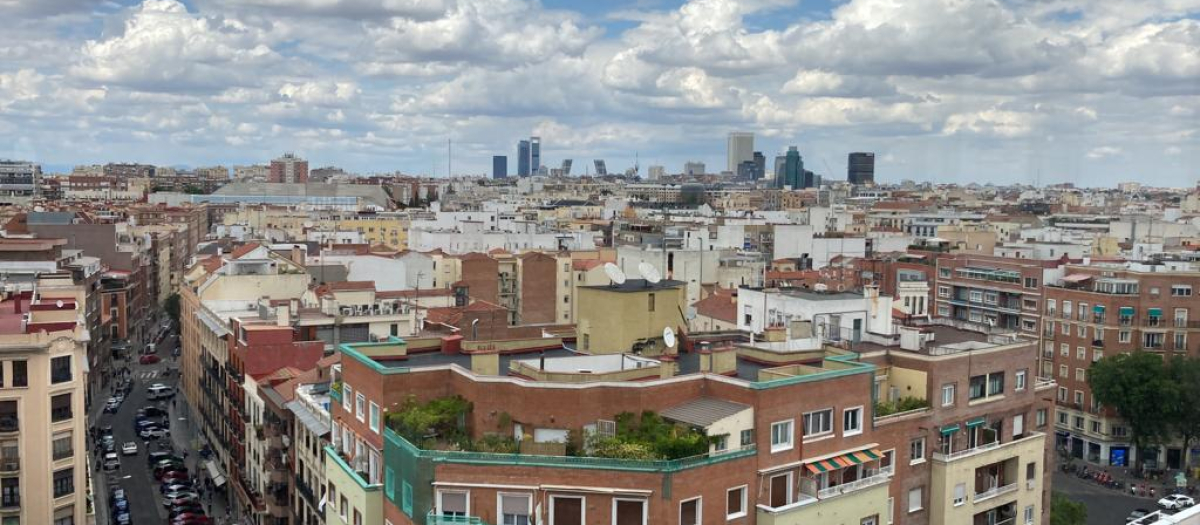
(992,121)
(1101,152)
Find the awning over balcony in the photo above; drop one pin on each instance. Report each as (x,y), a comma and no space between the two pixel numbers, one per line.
(1098,308)
(1126,310)
(1077,277)
(1155,312)
(949,429)
(214,473)
(976,422)
(843,461)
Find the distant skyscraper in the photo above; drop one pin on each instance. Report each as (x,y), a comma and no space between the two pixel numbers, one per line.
(288,168)
(523,158)
(861,168)
(601,167)
(499,167)
(535,154)
(693,168)
(793,169)
(780,163)
(739,148)
(566,167)
(760,165)
(656,172)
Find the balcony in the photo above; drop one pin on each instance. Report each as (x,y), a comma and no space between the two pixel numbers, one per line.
(868,497)
(994,492)
(436,519)
(982,449)
(10,464)
(883,476)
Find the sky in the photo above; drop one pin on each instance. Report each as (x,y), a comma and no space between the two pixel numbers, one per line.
(1005,91)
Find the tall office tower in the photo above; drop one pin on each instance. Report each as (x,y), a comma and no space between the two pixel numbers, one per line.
(739,148)
(760,165)
(535,154)
(693,168)
(860,169)
(523,158)
(19,178)
(793,169)
(288,168)
(601,167)
(499,167)
(566,167)
(780,161)
(656,172)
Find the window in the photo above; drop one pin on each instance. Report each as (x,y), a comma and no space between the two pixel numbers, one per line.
(1119,431)
(947,394)
(781,435)
(1080,374)
(1078,423)
(1018,426)
(690,512)
(1031,282)
(60,369)
(944,273)
(20,374)
(64,482)
(358,520)
(870,520)
(1180,341)
(1020,381)
(60,407)
(453,503)
(1083,311)
(976,296)
(960,494)
(1062,394)
(888,460)
(360,406)
(1097,427)
(916,450)
(735,503)
(944,292)
(1067,310)
(1051,307)
(650,302)
(10,492)
(515,509)
(721,442)
(1097,355)
(63,516)
(1082,331)
(914,499)
(1181,290)
(63,445)
(406,498)
(982,386)
(1064,371)
(1181,317)
(1062,418)
(1079,397)
(1080,353)
(1124,336)
(747,437)
(891,508)
(1064,349)
(1029,515)
(818,422)
(852,421)
(374,421)
(347,398)
(1040,417)
(1066,328)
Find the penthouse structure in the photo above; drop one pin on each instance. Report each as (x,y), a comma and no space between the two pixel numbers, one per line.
(929,424)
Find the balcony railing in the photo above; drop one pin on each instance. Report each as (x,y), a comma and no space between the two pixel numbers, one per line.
(10,424)
(882,476)
(1044,383)
(995,491)
(437,519)
(10,464)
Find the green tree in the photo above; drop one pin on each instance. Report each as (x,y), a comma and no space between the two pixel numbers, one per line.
(1064,511)
(1184,416)
(1137,386)
(171,305)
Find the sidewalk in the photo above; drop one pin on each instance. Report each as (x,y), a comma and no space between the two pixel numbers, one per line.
(184,438)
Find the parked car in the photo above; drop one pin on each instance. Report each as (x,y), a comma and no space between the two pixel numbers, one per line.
(154,433)
(129,448)
(112,405)
(1176,502)
(195,520)
(174,487)
(153,458)
(120,505)
(111,461)
(180,501)
(151,411)
(149,359)
(123,519)
(186,516)
(1137,514)
(188,508)
(159,391)
(172,475)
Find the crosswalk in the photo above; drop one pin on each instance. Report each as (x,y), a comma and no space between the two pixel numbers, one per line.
(148,374)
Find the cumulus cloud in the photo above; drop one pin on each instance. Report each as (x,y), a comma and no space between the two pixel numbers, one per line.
(379,85)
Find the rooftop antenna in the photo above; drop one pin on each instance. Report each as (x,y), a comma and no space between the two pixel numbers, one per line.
(614,274)
(650,273)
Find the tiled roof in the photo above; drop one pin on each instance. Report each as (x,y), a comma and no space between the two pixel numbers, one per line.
(720,305)
(244,249)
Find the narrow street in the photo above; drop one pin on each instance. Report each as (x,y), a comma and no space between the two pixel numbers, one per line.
(1105,506)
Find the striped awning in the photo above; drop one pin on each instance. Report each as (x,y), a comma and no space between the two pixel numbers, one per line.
(843,461)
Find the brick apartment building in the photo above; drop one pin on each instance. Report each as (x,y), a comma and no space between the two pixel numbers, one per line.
(1101,309)
(991,291)
(795,434)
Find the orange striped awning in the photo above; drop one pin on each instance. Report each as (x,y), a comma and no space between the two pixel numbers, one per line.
(843,461)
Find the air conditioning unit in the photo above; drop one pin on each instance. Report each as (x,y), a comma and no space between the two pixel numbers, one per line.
(387,309)
(347,311)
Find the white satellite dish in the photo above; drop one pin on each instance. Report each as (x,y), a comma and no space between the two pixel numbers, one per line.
(650,273)
(669,337)
(614,274)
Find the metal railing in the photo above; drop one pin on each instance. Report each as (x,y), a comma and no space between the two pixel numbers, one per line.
(845,488)
(437,519)
(966,452)
(995,491)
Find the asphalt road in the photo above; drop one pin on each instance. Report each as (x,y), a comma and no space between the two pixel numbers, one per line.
(134,475)
(1105,506)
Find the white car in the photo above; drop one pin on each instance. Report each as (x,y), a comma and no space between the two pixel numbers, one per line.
(1176,502)
(129,448)
(111,462)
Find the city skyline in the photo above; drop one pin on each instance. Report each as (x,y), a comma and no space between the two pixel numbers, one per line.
(1083,92)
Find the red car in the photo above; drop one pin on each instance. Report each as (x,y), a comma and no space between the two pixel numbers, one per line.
(149,359)
(190,518)
(172,476)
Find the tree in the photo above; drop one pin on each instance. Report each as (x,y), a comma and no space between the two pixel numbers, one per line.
(1137,387)
(1184,375)
(1064,511)
(171,305)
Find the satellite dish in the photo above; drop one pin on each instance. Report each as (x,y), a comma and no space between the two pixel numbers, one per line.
(650,273)
(58,303)
(669,337)
(691,313)
(614,274)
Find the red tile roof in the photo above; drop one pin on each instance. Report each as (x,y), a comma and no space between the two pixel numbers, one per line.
(243,250)
(720,305)
(351,285)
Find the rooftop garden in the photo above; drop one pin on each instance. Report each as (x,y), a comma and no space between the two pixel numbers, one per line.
(441,424)
(904,404)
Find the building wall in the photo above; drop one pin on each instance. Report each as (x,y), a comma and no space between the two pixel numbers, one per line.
(537,281)
(480,274)
(611,322)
